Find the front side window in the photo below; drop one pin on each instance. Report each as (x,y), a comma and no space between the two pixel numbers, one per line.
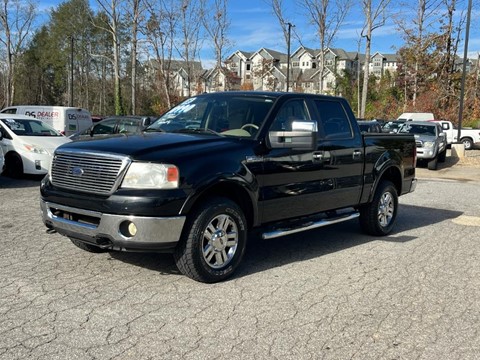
(293,110)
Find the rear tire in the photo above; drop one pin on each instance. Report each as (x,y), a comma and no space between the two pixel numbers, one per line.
(213,241)
(87,247)
(468,143)
(378,217)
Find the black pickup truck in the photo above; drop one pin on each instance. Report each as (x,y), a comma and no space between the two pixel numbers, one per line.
(217,166)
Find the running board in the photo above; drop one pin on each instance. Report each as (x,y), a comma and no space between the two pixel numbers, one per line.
(310,225)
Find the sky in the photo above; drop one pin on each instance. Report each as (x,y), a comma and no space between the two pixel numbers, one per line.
(254,26)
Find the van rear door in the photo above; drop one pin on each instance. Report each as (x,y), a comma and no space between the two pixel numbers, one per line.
(77,120)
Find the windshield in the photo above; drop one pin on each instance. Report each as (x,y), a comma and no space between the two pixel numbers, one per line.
(228,115)
(417,129)
(27,127)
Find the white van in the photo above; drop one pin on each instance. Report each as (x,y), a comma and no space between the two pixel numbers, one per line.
(416,116)
(67,120)
(28,144)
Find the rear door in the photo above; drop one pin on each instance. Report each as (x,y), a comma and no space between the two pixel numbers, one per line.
(340,149)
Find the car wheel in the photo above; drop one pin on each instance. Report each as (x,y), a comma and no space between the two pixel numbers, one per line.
(87,247)
(13,166)
(442,156)
(468,143)
(378,217)
(213,241)
(432,164)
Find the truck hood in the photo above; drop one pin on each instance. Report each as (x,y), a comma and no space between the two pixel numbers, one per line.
(155,146)
(425,137)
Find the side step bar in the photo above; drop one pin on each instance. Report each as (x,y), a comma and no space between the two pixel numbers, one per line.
(310,225)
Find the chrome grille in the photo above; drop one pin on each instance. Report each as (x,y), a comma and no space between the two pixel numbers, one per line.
(96,173)
(419,143)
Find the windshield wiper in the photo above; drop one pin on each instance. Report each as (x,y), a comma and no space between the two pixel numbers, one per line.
(197,130)
(154,130)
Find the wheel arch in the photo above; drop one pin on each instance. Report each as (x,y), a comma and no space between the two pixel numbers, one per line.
(389,173)
(230,189)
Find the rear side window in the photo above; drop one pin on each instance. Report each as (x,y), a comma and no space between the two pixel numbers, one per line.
(334,120)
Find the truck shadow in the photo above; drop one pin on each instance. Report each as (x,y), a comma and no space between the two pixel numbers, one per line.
(263,255)
(268,254)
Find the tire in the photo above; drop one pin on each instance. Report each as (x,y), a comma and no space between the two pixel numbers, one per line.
(442,156)
(13,166)
(87,247)
(468,143)
(433,164)
(213,241)
(378,217)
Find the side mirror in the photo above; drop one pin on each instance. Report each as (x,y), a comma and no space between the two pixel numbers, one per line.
(303,136)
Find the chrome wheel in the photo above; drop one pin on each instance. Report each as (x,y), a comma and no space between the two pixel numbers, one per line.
(220,241)
(386,209)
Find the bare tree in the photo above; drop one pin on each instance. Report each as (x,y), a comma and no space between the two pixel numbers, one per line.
(112,26)
(135,12)
(160,31)
(188,44)
(216,26)
(279,12)
(16,20)
(374,18)
(326,16)
(418,39)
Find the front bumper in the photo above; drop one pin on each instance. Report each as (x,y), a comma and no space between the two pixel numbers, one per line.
(110,231)
(426,153)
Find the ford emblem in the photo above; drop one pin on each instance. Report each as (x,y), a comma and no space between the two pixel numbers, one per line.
(77,171)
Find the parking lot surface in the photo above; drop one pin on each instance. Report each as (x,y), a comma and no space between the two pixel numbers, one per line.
(332,293)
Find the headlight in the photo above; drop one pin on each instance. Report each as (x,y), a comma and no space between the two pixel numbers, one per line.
(428,144)
(151,176)
(35,149)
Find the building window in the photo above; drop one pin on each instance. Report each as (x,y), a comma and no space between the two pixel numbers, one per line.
(247,77)
(295,64)
(248,67)
(314,65)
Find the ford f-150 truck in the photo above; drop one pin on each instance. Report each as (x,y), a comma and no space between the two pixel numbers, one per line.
(219,165)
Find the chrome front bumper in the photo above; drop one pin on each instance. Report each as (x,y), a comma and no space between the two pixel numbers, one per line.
(111,231)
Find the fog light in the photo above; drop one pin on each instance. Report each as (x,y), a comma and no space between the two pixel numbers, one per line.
(38,165)
(128,229)
(132,229)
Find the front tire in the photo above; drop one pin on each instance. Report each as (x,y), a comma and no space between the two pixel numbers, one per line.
(378,217)
(213,241)
(442,156)
(433,164)
(13,166)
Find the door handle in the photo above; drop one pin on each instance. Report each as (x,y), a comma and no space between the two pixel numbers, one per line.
(321,156)
(357,154)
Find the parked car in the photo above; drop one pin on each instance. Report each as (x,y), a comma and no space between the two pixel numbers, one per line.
(278,163)
(114,125)
(28,144)
(392,126)
(430,140)
(371,126)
